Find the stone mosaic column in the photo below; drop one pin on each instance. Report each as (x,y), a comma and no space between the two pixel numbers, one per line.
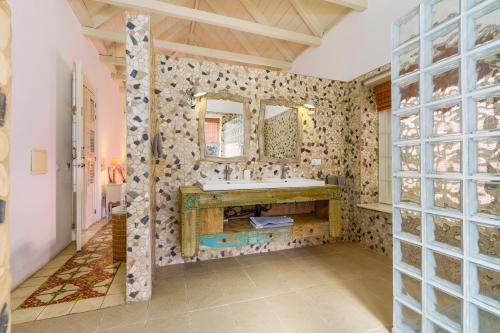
(139,166)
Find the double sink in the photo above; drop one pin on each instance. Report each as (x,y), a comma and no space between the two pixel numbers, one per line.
(221,185)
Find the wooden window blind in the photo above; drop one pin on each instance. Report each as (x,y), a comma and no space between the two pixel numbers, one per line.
(383,96)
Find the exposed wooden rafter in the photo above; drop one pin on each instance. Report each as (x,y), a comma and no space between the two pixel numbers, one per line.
(186,49)
(309,19)
(241,37)
(259,17)
(358,5)
(117,61)
(181,12)
(106,13)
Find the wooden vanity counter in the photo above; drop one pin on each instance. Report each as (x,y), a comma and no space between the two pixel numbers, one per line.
(202,214)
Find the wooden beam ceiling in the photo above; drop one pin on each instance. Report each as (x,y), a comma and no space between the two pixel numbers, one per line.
(200,16)
(358,5)
(104,14)
(309,19)
(187,49)
(117,61)
(259,17)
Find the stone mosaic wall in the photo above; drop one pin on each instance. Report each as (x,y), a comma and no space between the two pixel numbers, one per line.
(280,135)
(370,228)
(139,163)
(324,134)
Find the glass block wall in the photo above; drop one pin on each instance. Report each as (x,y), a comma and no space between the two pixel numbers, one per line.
(446,162)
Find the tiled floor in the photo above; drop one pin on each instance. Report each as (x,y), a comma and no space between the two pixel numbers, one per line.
(333,288)
(73,282)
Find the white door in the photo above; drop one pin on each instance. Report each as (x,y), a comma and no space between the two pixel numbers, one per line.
(84,157)
(89,117)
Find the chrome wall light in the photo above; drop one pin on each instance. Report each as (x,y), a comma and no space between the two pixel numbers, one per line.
(309,104)
(194,93)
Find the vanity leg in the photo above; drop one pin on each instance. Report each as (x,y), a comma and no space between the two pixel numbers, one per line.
(335,218)
(190,232)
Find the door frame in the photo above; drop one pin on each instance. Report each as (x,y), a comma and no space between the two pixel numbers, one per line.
(79,165)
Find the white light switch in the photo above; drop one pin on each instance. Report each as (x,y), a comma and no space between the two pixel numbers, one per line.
(316,161)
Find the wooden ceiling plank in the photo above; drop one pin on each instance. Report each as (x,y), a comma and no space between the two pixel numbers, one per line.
(177,26)
(117,61)
(184,48)
(192,24)
(105,14)
(309,19)
(244,41)
(259,17)
(357,5)
(118,76)
(216,19)
(81,12)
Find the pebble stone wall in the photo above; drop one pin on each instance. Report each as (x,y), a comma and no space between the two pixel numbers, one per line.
(139,164)
(342,132)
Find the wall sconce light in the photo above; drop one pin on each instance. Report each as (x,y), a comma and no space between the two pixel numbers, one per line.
(309,104)
(194,93)
(198,92)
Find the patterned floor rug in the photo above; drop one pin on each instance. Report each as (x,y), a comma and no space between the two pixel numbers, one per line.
(87,274)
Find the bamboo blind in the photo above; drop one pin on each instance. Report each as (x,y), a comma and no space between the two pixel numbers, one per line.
(383,96)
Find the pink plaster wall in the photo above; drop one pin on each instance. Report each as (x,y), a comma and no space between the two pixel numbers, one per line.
(46,41)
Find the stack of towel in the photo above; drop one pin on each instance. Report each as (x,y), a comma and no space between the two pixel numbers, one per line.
(263,222)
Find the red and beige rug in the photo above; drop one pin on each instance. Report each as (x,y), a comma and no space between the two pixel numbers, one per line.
(87,274)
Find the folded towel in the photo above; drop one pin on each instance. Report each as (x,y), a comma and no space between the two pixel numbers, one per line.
(262,222)
(157,146)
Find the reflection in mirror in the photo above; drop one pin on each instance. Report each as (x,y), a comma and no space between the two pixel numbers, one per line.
(280,132)
(224,130)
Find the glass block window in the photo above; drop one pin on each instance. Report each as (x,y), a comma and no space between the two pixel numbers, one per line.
(446,167)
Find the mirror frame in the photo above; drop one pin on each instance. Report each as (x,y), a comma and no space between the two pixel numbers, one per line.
(202,110)
(262,114)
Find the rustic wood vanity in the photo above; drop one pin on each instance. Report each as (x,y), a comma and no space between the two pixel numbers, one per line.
(202,216)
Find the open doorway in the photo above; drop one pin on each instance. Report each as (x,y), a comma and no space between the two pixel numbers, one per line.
(87,274)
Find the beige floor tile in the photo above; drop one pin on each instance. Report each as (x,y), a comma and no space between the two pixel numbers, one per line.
(255,317)
(113,300)
(56,310)
(296,314)
(116,288)
(23,292)
(15,302)
(87,304)
(123,315)
(317,289)
(214,320)
(75,323)
(176,324)
(33,282)
(46,272)
(25,315)
(172,304)
(133,328)
(23,328)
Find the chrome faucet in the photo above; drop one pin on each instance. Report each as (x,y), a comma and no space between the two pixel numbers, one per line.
(284,171)
(227,173)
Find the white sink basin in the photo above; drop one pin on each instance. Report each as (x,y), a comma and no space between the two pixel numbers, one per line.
(220,185)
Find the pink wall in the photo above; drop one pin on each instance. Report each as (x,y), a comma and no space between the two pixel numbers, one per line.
(46,41)
(356,45)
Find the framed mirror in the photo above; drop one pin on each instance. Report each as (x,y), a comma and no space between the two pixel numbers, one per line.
(280,131)
(224,127)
